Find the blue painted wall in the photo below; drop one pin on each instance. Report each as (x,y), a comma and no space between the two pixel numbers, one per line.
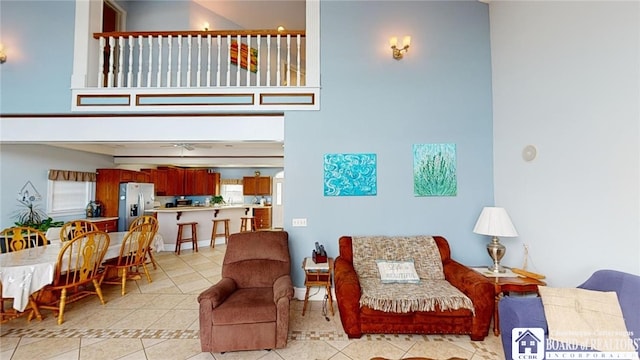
(38,40)
(439,93)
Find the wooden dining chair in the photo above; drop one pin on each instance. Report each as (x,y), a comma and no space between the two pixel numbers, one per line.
(71,229)
(133,255)
(147,219)
(18,238)
(12,239)
(78,265)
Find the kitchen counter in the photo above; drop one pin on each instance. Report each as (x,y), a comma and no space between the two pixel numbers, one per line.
(205,208)
(99,219)
(168,218)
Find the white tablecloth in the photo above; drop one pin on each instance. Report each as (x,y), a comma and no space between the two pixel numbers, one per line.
(22,273)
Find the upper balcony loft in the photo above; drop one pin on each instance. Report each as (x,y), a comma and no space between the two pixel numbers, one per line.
(195,71)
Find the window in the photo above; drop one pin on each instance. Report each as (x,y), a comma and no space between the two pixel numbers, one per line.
(68,197)
(232,193)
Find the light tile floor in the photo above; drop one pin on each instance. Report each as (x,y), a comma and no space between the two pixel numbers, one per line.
(160,321)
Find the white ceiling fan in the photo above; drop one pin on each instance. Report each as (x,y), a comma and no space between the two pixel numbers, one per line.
(188,146)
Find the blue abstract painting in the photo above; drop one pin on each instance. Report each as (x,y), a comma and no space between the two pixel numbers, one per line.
(350,175)
(434,170)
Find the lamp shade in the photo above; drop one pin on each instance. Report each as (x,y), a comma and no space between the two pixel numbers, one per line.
(495,221)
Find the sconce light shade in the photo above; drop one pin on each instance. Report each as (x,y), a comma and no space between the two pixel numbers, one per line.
(3,56)
(398,52)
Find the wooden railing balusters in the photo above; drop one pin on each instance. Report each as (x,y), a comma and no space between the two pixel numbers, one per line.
(164,64)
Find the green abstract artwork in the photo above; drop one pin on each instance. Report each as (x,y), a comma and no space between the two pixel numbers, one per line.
(434,170)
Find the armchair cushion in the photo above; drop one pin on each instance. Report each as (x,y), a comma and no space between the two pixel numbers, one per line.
(246,306)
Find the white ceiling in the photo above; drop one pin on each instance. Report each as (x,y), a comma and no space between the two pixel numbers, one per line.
(191,154)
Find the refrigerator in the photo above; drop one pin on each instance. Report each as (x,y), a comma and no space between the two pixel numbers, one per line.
(134,200)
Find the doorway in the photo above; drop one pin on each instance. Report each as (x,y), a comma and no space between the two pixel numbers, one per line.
(277,207)
(112,20)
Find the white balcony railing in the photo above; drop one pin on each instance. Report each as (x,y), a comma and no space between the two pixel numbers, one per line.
(196,59)
(194,71)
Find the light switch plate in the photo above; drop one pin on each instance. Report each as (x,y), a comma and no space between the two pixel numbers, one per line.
(299,222)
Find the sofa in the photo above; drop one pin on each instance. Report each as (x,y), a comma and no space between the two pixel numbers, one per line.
(359,317)
(529,312)
(248,309)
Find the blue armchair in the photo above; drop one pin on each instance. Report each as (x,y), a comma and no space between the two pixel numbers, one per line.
(528,312)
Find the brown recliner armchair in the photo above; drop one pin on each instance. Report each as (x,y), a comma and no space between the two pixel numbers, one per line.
(248,309)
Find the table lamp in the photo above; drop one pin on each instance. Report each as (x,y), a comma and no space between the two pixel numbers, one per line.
(494,221)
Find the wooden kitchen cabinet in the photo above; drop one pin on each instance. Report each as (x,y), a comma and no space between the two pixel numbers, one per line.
(159,179)
(175,181)
(195,182)
(262,217)
(213,183)
(256,185)
(110,225)
(108,188)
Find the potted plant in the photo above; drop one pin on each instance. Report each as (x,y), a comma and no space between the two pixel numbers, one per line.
(217,200)
(33,217)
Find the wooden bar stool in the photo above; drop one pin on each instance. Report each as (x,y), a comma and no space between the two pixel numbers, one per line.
(215,233)
(181,239)
(244,223)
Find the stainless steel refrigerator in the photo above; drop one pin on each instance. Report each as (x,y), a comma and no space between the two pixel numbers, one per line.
(135,198)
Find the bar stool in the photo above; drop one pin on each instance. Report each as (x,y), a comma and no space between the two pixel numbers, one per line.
(215,233)
(244,223)
(194,236)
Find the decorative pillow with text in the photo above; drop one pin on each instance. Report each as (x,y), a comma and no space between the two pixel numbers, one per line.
(397,271)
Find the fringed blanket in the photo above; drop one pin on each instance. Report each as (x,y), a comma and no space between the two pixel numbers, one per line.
(429,295)
(433,292)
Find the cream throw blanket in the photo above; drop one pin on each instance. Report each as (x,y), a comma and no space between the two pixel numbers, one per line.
(432,293)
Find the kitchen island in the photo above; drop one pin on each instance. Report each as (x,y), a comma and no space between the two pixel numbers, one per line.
(168,218)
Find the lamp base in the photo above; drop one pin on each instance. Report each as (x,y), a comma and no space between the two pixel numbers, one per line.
(496,250)
(498,269)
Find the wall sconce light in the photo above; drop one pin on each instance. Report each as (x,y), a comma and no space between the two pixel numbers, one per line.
(398,53)
(3,56)
(280,28)
(205,26)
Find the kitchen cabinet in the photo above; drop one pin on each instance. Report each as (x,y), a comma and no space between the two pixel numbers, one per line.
(262,217)
(195,182)
(256,185)
(213,183)
(175,181)
(159,179)
(108,187)
(109,225)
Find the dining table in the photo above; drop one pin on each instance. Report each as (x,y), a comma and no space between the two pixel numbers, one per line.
(25,272)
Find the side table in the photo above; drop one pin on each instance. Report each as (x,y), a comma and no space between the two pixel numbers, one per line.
(317,274)
(506,283)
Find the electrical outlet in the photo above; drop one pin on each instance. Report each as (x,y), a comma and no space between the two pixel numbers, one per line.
(299,222)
